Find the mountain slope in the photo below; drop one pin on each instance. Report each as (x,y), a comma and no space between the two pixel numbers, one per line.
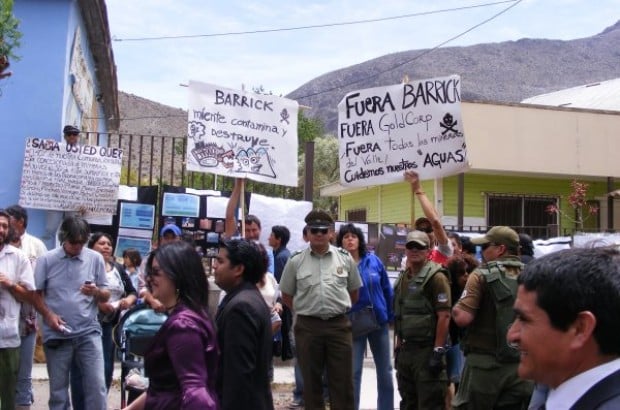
(503,72)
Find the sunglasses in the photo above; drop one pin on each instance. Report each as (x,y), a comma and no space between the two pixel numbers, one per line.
(316,231)
(74,242)
(413,246)
(484,246)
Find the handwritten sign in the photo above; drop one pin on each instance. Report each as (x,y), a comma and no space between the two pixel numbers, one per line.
(241,134)
(69,177)
(386,131)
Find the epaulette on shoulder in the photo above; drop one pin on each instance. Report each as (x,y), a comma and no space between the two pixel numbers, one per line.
(295,253)
(343,251)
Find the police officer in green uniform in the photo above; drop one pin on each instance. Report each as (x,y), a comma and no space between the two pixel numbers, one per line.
(421,320)
(490,378)
(320,284)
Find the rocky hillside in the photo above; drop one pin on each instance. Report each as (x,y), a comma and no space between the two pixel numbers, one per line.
(503,72)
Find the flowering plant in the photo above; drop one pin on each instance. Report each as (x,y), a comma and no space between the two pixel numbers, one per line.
(578,201)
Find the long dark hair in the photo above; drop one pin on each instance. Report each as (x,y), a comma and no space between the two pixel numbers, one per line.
(183,266)
(350,228)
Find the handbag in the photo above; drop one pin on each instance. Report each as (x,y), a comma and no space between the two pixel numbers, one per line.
(364,321)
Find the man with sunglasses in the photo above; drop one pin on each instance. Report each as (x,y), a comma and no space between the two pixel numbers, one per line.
(71,134)
(490,379)
(320,284)
(421,320)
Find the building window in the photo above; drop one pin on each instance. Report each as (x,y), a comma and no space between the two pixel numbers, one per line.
(519,211)
(356,215)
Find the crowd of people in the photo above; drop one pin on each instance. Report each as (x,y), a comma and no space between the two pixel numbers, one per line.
(504,332)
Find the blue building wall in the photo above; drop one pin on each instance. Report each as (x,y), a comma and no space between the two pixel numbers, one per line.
(35,98)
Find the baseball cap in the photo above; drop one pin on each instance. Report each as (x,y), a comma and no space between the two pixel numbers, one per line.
(319,219)
(170,228)
(419,237)
(501,235)
(70,129)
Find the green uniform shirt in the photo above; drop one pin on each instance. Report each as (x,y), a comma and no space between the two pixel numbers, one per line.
(320,284)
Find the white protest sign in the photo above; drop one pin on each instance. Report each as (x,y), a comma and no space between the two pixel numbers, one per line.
(242,134)
(386,131)
(278,211)
(70,177)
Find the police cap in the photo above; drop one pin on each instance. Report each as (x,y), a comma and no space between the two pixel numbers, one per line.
(319,219)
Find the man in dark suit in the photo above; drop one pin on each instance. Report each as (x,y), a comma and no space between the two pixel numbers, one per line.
(243,328)
(567,327)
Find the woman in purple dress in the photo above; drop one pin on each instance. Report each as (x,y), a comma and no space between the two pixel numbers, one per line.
(181,363)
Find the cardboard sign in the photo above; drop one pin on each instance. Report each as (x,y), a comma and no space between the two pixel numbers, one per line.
(386,131)
(70,177)
(241,134)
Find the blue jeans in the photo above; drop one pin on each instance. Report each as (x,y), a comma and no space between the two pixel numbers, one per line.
(107,343)
(298,392)
(24,396)
(379,341)
(455,361)
(87,352)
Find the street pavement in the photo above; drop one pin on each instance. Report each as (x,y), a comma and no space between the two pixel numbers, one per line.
(284,377)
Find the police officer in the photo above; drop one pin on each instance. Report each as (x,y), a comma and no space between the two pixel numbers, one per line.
(320,283)
(490,378)
(421,320)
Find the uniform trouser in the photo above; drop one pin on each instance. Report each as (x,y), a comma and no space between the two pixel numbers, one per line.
(24,396)
(88,354)
(9,363)
(419,388)
(488,384)
(325,344)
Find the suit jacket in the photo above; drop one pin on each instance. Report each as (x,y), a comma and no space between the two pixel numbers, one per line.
(244,335)
(604,395)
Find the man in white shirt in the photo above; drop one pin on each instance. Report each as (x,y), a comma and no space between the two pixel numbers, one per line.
(16,281)
(566,327)
(32,247)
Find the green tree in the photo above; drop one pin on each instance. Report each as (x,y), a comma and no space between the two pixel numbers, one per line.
(9,36)
(308,129)
(326,170)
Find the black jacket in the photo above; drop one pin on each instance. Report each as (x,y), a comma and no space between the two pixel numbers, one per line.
(244,336)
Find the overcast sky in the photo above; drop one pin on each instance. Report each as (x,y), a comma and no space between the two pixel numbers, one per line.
(283,61)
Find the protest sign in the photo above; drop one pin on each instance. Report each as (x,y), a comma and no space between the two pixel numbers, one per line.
(279,211)
(70,177)
(241,134)
(386,131)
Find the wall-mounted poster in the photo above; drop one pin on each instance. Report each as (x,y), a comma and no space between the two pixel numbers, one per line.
(180,205)
(139,216)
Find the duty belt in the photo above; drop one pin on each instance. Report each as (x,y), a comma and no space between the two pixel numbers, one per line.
(323,317)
